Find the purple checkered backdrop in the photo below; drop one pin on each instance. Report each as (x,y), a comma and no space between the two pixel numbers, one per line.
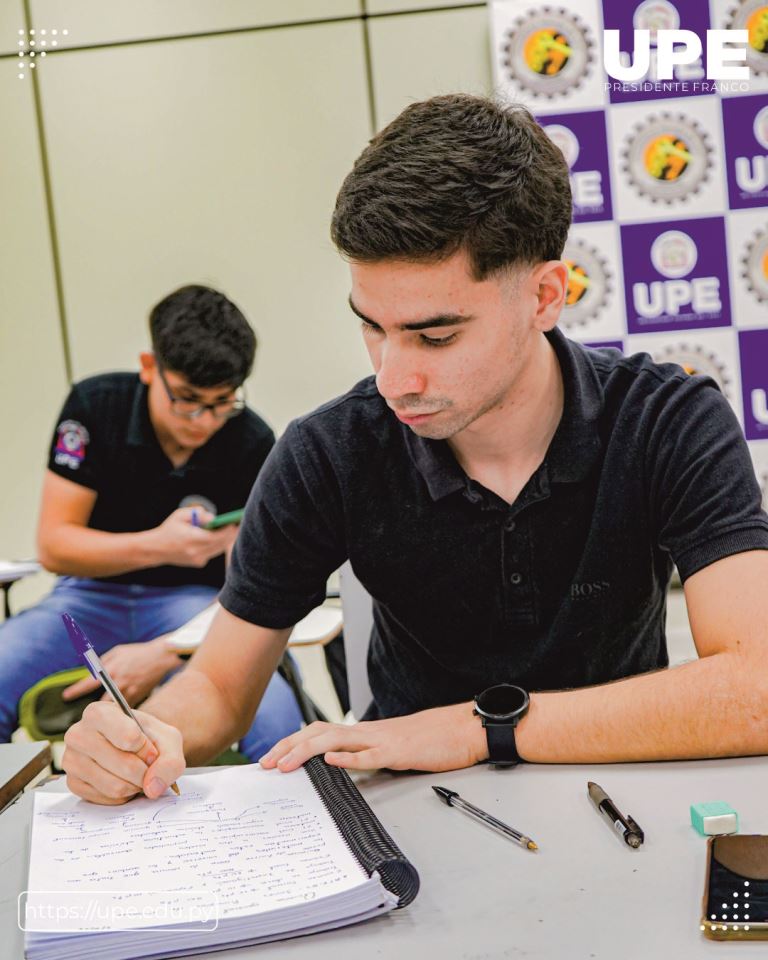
(668,252)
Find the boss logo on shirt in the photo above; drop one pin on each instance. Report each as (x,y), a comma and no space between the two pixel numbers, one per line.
(588,591)
(70,444)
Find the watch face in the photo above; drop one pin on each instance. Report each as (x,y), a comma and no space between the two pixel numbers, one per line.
(503,701)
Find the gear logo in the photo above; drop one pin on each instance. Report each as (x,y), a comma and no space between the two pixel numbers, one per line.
(694,358)
(547,52)
(655,15)
(588,283)
(667,158)
(755,265)
(752,16)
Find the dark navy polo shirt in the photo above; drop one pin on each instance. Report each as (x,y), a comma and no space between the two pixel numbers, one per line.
(565,587)
(105,441)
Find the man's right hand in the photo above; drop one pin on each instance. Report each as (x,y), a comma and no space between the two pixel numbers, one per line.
(179,542)
(109,760)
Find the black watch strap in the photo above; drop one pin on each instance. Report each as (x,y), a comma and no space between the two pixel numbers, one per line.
(502,750)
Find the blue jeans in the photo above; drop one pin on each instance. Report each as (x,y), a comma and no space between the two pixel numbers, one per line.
(34,644)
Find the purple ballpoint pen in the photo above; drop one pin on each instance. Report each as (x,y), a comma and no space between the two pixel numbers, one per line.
(83,647)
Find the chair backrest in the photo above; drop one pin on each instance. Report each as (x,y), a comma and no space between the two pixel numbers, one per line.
(358,622)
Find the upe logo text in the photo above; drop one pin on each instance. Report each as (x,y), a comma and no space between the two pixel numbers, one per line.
(677,48)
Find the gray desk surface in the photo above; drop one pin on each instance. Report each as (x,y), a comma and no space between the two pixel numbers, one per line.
(584,895)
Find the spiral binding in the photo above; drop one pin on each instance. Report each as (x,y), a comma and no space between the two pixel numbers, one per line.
(368,840)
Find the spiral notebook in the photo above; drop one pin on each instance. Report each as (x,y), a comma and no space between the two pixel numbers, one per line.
(242,856)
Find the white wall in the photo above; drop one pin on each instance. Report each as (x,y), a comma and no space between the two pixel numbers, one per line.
(192,141)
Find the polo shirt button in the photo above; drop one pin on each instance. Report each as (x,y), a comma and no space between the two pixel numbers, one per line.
(516,578)
(510,525)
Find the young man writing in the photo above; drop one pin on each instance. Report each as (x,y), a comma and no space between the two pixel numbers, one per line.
(128,451)
(513,502)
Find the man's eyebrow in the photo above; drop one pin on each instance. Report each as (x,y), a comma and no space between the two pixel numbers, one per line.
(439,320)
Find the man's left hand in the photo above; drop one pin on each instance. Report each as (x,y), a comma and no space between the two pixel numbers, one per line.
(445,738)
(136,668)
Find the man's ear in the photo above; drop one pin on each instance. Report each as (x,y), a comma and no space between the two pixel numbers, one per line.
(552,280)
(147,367)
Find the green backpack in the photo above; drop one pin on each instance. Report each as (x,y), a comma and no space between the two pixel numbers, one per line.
(45,716)
(42,712)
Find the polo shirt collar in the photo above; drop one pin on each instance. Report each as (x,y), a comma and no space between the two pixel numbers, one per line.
(576,443)
(140,432)
(436,463)
(573,449)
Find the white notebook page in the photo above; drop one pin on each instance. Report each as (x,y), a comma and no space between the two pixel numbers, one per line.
(241,841)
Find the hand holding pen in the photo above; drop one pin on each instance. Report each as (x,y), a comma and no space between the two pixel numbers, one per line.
(110,757)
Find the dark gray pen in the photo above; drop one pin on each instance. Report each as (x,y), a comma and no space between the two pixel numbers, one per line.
(629,831)
(454,800)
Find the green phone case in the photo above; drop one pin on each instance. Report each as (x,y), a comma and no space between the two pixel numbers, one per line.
(225,519)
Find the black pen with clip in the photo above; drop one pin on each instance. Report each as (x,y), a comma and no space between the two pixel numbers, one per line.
(626,827)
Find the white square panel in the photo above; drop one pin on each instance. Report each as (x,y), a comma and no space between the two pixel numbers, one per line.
(713,352)
(666,159)
(549,57)
(748,264)
(595,306)
(759,452)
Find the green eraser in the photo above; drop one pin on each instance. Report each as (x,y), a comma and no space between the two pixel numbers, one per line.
(714,817)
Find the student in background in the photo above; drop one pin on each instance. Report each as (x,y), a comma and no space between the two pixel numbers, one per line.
(129,450)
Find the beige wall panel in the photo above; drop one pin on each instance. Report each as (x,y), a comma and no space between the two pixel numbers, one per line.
(212,160)
(396,6)
(107,21)
(11,21)
(421,55)
(32,380)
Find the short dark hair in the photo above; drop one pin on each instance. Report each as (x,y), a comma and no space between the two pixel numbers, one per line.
(452,173)
(197,332)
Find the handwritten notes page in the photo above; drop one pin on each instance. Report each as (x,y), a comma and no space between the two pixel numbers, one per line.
(242,854)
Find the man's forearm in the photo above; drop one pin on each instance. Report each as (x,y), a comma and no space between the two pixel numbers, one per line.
(214,699)
(78,551)
(193,704)
(715,706)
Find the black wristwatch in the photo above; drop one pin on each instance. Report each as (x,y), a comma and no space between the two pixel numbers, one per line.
(501,708)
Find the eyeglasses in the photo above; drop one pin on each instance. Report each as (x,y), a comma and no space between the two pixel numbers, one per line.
(192,409)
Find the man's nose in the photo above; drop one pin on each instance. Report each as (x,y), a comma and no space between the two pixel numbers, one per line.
(207,420)
(398,374)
